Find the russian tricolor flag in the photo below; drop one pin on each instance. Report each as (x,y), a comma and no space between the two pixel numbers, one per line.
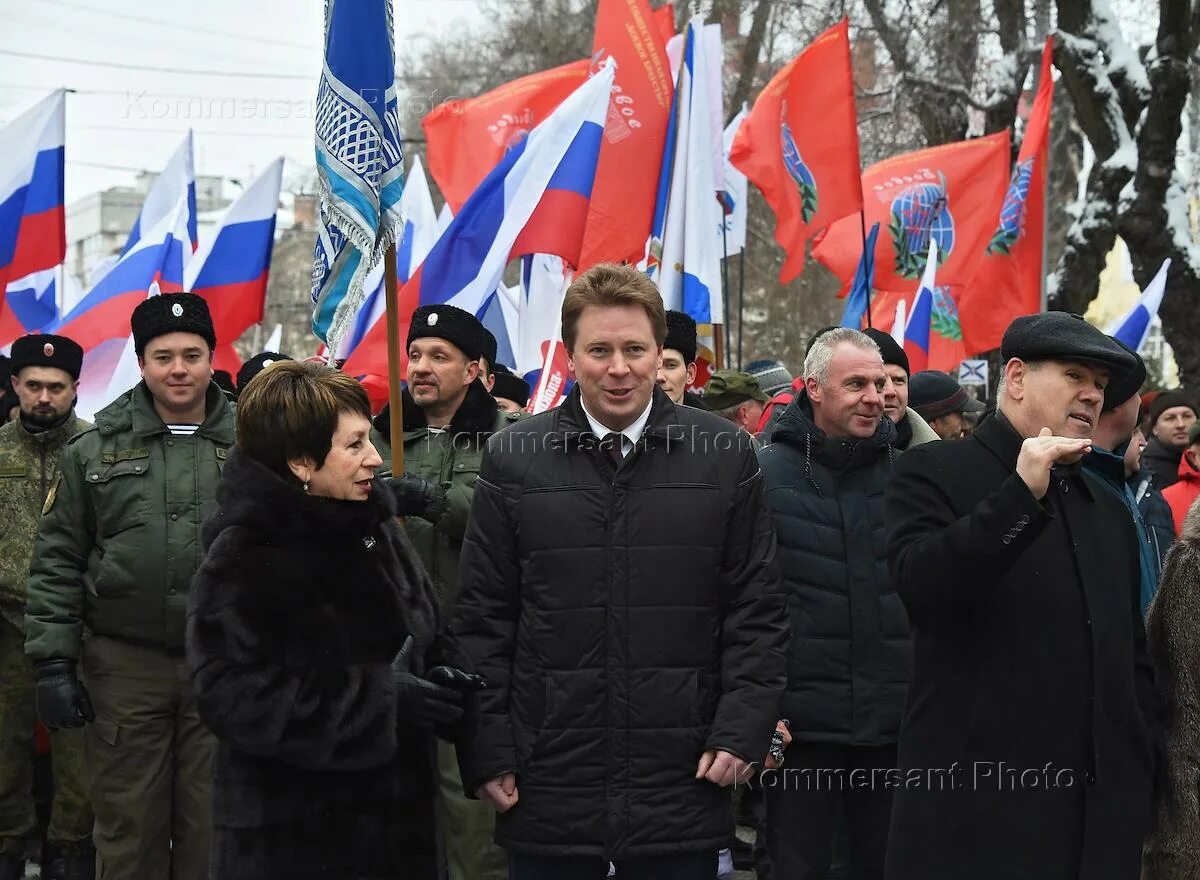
(1134,326)
(32,232)
(158,256)
(231,270)
(534,201)
(920,321)
(176,181)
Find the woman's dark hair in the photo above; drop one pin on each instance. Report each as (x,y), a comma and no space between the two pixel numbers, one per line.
(290,410)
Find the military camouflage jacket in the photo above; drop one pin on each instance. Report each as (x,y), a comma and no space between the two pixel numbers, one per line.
(120,540)
(451,459)
(27,466)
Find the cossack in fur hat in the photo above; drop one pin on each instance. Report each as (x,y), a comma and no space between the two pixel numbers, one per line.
(457,326)
(171,313)
(510,386)
(681,334)
(256,365)
(46,350)
(1062,336)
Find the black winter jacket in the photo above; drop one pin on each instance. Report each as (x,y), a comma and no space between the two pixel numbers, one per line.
(1162,462)
(296,613)
(850,658)
(627,619)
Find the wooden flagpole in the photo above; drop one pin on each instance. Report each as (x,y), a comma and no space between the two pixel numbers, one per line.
(395,398)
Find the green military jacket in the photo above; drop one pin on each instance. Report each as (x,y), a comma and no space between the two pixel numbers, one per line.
(119,539)
(451,459)
(28,463)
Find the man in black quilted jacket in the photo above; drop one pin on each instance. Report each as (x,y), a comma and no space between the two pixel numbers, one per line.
(619,592)
(826,467)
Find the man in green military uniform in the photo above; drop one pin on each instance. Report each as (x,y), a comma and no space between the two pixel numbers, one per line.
(45,377)
(448,417)
(117,547)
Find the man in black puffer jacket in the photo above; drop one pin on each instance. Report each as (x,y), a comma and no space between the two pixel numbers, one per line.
(826,469)
(620,594)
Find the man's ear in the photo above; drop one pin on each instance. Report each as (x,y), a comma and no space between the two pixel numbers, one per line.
(691,375)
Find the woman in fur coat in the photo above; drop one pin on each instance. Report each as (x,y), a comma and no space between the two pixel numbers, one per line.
(1173,629)
(310,629)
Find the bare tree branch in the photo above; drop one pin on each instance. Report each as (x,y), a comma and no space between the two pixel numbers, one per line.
(748,66)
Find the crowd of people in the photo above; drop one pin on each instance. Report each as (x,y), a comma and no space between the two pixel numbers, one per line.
(901,632)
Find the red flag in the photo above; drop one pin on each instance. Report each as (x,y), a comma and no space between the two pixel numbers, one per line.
(467,138)
(664,17)
(799,145)
(1008,282)
(951,193)
(622,203)
(946,349)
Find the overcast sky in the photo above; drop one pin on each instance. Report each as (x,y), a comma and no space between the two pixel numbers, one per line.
(124,119)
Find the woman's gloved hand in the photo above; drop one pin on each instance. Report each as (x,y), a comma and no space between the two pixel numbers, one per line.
(422,702)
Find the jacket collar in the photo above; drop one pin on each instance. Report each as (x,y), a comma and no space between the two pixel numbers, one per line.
(476,415)
(797,427)
(996,433)
(571,426)
(134,411)
(51,438)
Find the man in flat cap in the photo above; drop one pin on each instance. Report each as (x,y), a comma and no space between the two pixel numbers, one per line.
(45,379)
(735,397)
(448,417)
(678,370)
(1027,748)
(117,546)
(942,403)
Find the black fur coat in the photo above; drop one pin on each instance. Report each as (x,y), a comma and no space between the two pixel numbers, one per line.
(295,614)
(1173,851)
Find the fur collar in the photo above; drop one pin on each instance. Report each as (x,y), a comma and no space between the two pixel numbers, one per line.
(252,495)
(475,415)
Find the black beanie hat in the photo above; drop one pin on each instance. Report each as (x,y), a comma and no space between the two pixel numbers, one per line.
(46,350)
(256,365)
(888,347)
(1168,399)
(457,326)
(681,334)
(171,313)
(510,386)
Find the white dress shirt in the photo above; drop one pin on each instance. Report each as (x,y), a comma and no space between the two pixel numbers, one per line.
(629,436)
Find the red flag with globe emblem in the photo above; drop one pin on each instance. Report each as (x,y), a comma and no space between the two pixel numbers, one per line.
(946,350)
(467,138)
(1008,282)
(951,193)
(799,145)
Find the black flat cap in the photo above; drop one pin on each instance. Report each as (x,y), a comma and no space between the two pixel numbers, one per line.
(681,334)
(457,326)
(1120,390)
(46,350)
(1062,336)
(171,313)
(891,351)
(933,395)
(510,386)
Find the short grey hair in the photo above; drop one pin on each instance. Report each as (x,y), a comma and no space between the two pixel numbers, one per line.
(816,362)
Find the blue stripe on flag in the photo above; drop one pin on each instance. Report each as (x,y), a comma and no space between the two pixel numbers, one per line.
(46,185)
(577,170)
(242,252)
(1133,330)
(696,301)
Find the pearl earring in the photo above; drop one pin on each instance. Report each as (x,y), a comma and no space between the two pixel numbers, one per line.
(305,487)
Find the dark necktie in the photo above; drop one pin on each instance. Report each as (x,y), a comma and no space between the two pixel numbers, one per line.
(611,444)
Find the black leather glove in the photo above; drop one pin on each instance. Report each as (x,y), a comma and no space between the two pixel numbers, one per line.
(453,677)
(414,494)
(61,700)
(424,703)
